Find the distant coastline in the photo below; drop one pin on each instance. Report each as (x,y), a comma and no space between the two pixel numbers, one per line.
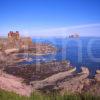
(47,77)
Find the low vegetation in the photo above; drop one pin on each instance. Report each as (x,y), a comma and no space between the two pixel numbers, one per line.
(37,96)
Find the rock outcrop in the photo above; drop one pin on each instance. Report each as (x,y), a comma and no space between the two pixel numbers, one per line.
(24,44)
(14,84)
(97,76)
(38,71)
(98,72)
(85,70)
(76,83)
(64,82)
(52,79)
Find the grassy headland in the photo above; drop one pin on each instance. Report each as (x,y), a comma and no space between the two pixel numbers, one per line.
(37,96)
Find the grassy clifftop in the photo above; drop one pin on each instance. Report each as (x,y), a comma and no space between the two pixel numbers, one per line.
(37,96)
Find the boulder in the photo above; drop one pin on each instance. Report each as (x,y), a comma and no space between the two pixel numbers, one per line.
(98,72)
(85,70)
(97,76)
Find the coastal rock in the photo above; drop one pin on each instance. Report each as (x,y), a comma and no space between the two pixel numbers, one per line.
(64,82)
(75,84)
(14,43)
(14,84)
(97,71)
(94,88)
(85,70)
(38,71)
(97,77)
(9,51)
(52,79)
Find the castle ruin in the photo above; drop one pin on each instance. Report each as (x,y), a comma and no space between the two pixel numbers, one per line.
(13,35)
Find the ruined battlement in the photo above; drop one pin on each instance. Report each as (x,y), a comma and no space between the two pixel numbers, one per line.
(13,35)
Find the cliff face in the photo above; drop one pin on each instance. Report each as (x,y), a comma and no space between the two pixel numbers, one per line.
(14,40)
(23,42)
(25,45)
(11,83)
(6,43)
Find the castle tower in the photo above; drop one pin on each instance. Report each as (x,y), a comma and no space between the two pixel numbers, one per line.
(12,36)
(17,35)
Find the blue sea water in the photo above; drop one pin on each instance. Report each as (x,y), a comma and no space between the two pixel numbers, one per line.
(84,51)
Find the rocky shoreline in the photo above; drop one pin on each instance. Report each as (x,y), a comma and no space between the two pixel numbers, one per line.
(38,71)
(61,82)
(46,77)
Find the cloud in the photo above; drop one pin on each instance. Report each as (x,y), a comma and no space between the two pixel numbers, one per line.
(82,30)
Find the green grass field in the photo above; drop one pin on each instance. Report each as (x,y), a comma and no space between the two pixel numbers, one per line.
(37,96)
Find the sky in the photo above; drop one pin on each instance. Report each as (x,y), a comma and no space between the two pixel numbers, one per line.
(50,17)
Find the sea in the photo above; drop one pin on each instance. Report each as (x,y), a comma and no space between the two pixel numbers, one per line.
(83,51)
